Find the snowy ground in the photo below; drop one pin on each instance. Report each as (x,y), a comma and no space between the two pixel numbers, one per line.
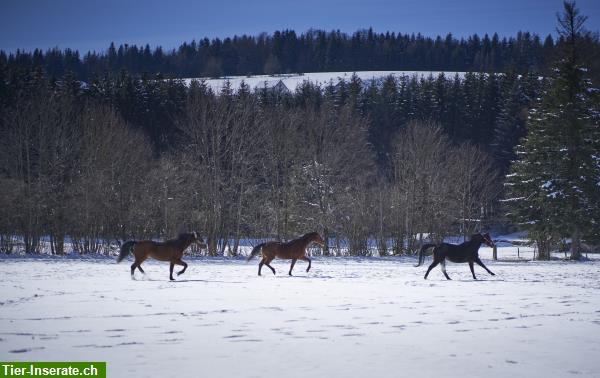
(346,318)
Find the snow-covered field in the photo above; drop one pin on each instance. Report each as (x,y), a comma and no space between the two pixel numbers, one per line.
(292,81)
(346,318)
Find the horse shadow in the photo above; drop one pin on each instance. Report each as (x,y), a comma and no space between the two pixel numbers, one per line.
(189,280)
(308,277)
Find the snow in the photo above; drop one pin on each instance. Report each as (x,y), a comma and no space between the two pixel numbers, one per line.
(292,81)
(346,317)
(513,199)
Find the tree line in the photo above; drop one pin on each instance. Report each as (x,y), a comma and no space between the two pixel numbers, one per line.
(287,51)
(129,158)
(122,156)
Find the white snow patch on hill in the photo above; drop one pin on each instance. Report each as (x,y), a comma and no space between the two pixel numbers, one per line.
(292,81)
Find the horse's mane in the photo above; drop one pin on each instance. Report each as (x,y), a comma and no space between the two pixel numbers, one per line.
(301,239)
(184,236)
(309,235)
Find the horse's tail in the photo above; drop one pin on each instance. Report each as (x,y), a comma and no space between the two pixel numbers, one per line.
(255,251)
(125,250)
(424,248)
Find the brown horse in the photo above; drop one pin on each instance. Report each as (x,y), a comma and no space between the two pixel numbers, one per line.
(293,250)
(171,250)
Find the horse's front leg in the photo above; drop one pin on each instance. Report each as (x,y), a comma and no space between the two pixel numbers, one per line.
(478,261)
(171,271)
(472,270)
(307,260)
(184,264)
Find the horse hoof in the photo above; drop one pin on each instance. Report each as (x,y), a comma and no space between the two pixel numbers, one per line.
(171,278)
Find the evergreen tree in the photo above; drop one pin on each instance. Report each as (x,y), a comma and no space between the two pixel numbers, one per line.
(553,185)
(510,124)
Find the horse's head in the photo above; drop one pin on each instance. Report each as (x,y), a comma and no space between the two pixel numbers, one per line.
(487,239)
(316,238)
(198,240)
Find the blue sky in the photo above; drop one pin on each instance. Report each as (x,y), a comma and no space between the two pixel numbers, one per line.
(93,24)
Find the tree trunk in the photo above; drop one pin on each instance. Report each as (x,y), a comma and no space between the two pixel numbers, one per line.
(576,244)
(212,245)
(326,239)
(544,245)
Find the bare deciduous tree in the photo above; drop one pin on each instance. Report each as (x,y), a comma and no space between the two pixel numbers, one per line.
(437,188)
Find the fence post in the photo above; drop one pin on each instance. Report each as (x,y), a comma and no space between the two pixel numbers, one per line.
(495,253)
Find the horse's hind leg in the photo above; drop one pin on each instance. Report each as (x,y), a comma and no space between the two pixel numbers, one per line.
(260,265)
(184,264)
(478,261)
(268,263)
(433,265)
(133,266)
(139,265)
(171,271)
(443,265)
(308,260)
(292,266)
(472,270)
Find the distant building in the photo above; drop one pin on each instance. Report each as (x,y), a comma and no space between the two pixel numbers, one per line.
(275,86)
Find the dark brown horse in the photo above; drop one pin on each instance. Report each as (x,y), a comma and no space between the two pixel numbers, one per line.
(171,250)
(293,250)
(465,252)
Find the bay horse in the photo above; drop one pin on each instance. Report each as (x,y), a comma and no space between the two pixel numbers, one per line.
(461,253)
(171,250)
(293,250)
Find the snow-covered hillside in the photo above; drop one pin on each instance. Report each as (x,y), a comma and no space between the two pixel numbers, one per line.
(292,81)
(346,318)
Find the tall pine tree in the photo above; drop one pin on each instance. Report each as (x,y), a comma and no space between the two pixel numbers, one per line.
(554,183)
